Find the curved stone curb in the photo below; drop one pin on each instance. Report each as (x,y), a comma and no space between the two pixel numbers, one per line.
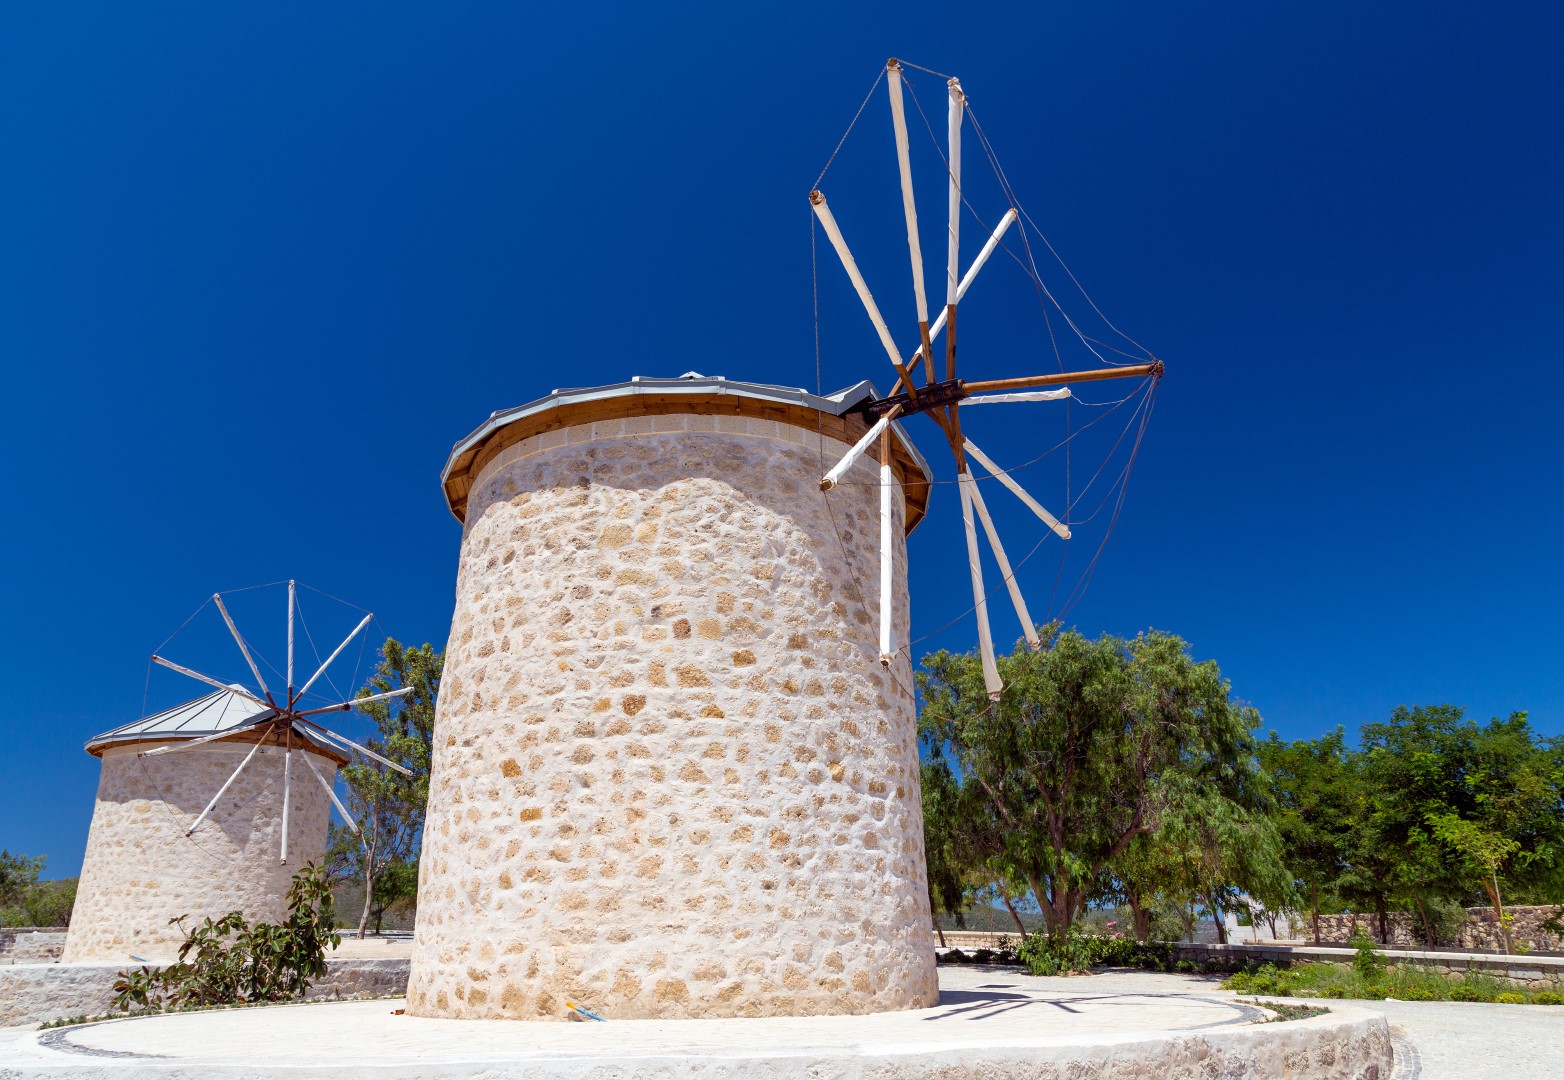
(975,1035)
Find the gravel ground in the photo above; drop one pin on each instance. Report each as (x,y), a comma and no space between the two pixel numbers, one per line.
(1436,1040)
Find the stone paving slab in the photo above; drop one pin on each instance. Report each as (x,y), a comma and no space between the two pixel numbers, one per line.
(996,1024)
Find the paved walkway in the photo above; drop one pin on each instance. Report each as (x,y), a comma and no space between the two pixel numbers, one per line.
(998,1021)
(1444,1040)
(1455,1040)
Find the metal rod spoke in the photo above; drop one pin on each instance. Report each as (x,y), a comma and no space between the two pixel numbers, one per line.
(248,659)
(220,791)
(287,799)
(344,706)
(305,688)
(887,552)
(966,282)
(1062,530)
(1016,599)
(1024,395)
(834,233)
(344,741)
(991,678)
(908,205)
(347,817)
(177,747)
(953,239)
(156,659)
(292,602)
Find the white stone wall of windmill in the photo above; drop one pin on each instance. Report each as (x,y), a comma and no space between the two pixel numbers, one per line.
(206,808)
(143,867)
(672,777)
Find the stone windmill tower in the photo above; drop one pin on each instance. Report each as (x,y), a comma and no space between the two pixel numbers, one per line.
(211,806)
(146,863)
(672,776)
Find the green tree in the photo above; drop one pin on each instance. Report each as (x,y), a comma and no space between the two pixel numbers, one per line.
(17,874)
(1312,783)
(389,806)
(1090,744)
(1450,810)
(943,845)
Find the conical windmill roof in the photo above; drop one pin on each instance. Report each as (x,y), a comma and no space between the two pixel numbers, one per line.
(217,712)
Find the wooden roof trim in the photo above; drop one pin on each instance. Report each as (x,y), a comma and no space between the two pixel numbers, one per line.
(315,746)
(847,429)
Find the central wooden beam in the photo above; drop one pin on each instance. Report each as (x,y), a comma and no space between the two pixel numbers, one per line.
(1129,371)
(952,391)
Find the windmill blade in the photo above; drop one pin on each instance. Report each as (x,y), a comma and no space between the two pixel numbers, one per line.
(1025,395)
(177,747)
(343,742)
(887,552)
(966,282)
(291,604)
(839,470)
(344,706)
(347,817)
(220,791)
(991,678)
(1027,627)
(1059,528)
(953,240)
(834,233)
(908,205)
(248,659)
(333,656)
(156,659)
(287,798)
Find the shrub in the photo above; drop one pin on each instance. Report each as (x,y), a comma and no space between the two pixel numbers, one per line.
(1462,992)
(1510,998)
(1074,951)
(230,960)
(1065,953)
(1365,961)
(1547,997)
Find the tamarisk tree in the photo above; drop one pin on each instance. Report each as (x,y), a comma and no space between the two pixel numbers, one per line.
(389,806)
(1091,744)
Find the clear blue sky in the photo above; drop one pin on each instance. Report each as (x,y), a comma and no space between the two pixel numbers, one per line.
(261,267)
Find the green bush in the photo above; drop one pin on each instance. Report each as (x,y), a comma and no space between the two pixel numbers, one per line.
(230,960)
(1547,997)
(1064,953)
(1510,999)
(1464,993)
(1074,951)
(1365,961)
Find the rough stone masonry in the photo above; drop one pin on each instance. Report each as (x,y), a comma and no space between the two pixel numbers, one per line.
(671,776)
(141,870)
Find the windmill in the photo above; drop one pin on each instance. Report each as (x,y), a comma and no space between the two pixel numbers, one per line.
(942,399)
(279,722)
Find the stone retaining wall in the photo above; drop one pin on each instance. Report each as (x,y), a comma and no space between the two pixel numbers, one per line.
(37,993)
(1480,931)
(30,944)
(1533,972)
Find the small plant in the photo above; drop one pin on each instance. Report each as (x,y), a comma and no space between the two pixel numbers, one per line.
(1547,997)
(1286,1010)
(1365,961)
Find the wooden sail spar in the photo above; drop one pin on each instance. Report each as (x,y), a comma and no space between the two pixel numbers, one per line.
(942,400)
